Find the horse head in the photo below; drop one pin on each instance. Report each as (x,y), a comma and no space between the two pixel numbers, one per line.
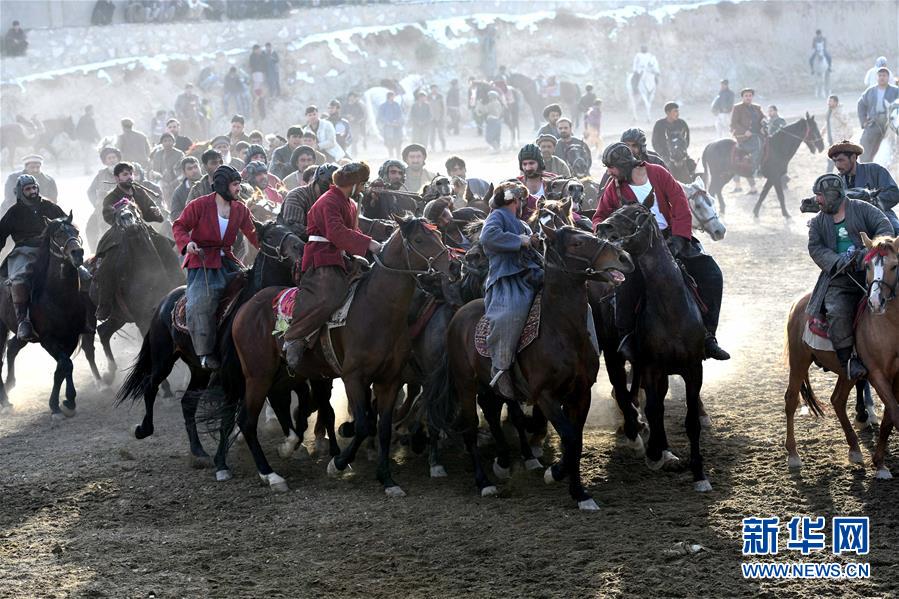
(126,216)
(632,226)
(377,228)
(881,271)
(702,209)
(812,138)
(419,244)
(551,214)
(576,156)
(441,184)
(579,253)
(893,116)
(278,242)
(63,241)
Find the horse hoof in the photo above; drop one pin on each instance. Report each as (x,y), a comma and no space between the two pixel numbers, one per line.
(500,472)
(637,445)
(141,433)
(321,447)
(705,421)
(275,482)
(883,474)
(6,408)
(438,471)
(489,491)
(223,475)
(536,451)
(347,430)
(333,470)
(286,449)
(794,462)
(533,464)
(587,505)
(66,410)
(109,378)
(394,491)
(667,459)
(855,456)
(702,486)
(548,477)
(56,417)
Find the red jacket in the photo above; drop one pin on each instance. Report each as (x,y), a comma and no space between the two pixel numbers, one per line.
(531,205)
(199,223)
(333,216)
(669,197)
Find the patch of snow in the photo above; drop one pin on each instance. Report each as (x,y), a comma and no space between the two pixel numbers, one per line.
(304,76)
(332,73)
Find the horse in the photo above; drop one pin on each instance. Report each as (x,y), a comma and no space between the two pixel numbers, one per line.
(682,167)
(146,275)
(645,92)
(377,314)
(718,160)
(592,193)
(569,96)
(558,368)
(669,311)
(821,73)
(887,154)
(382,203)
(57,312)
(439,186)
(474,201)
(477,94)
(702,210)
(12,137)
(164,344)
(50,130)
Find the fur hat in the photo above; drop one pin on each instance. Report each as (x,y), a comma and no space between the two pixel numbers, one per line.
(350,174)
(551,108)
(413,148)
(109,150)
(256,149)
(506,192)
(844,147)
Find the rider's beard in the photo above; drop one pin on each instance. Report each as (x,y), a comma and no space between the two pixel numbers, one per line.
(831,206)
(531,174)
(129,185)
(34,197)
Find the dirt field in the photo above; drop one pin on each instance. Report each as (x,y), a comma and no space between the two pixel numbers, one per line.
(87,510)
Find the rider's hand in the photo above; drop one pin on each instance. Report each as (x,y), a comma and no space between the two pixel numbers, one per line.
(525,240)
(192,248)
(374,247)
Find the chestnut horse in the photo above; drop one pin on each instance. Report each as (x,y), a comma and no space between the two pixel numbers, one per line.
(372,349)
(559,367)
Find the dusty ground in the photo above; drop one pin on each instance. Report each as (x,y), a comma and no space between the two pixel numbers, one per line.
(87,510)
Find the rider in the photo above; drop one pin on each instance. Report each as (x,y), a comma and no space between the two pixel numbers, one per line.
(393,174)
(633,181)
(513,279)
(635,139)
(775,122)
(211,159)
(205,233)
(871,74)
(746,125)
(25,223)
(866,175)
(819,41)
(190,168)
(534,176)
(573,150)
(298,202)
(455,167)
(643,62)
(552,114)
(553,163)
(417,176)
(666,130)
(258,175)
(281,164)
(31,165)
(834,243)
(302,157)
(334,236)
(873,112)
(107,250)
(438,212)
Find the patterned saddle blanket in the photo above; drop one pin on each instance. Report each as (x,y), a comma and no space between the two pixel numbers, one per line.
(225,307)
(528,334)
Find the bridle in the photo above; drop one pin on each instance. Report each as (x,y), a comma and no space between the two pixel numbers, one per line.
(59,249)
(589,271)
(408,249)
(702,221)
(278,256)
(881,285)
(804,139)
(639,226)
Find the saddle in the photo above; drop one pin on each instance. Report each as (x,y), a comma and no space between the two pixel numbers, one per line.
(741,160)
(528,334)
(225,307)
(817,332)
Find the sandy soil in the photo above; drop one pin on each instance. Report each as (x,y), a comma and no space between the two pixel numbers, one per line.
(87,510)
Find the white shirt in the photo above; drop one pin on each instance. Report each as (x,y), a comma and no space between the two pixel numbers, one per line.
(223,226)
(642,192)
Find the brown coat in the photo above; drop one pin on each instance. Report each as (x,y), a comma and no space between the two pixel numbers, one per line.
(741,119)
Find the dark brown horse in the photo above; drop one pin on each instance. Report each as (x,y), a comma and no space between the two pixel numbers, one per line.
(383,203)
(57,312)
(559,367)
(372,349)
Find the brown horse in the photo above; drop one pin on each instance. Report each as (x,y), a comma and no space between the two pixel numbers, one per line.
(558,368)
(481,203)
(372,349)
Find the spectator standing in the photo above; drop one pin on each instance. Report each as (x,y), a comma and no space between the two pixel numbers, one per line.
(325,133)
(88,136)
(102,13)
(133,144)
(453,107)
(15,43)
(722,106)
(234,90)
(438,118)
(390,122)
(157,124)
(420,118)
(272,73)
(258,69)
(837,125)
(341,125)
(593,127)
(354,112)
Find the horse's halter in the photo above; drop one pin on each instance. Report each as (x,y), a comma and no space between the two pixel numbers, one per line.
(588,272)
(639,227)
(59,249)
(279,255)
(880,284)
(409,248)
(705,198)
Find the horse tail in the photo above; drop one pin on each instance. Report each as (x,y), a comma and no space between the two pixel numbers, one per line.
(705,168)
(136,383)
(220,402)
(438,396)
(808,396)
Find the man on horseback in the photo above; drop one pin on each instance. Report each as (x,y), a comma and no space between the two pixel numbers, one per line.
(868,176)
(644,62)
(873,110)
(328,267)
(534,176)
(108,272)
(573,150)
(634,180)
(25,222)
(515,274)
(775,122)
(438,212)
(258,175)
(299,201)
(819,44)
(190,169)
(455,167)
(746,123)
(393,174)
(417,176)
(205,232)
(551,113)
(553,163)
(666,130)
(211,159)
(31,165)
(635,140)
(834,243)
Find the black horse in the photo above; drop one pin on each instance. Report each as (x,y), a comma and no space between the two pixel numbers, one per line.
(570,95)
(164,344)
(382,204)
(682,167)
(718,160)
(57,312)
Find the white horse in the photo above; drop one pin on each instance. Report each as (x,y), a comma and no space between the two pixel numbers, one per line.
(646,91)
(821,73)
(702,209)
(373,97)
(887,154)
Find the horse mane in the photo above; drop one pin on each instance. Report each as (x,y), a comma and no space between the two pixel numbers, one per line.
(553,206)
(473,229)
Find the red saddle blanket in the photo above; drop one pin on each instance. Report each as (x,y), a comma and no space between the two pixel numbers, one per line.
(226,304)
(819,327)
(528,334)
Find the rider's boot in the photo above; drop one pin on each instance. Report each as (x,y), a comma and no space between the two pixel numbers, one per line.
(852,364)
(502,383)
(210,362)
(293,353)
(713,350)
(21,296)
(105,289)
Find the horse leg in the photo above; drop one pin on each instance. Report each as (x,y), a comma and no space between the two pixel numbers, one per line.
(385,396)
(466,393)
(537,426)
(864,404)
(657,454)
(569,423)
(279,400)
(358,400)
(68,405)
(492,406)
(59,375)
(199,379)
(838,400)
(321,394)
(87,345)
(758,204)
(106,330)
(516,416)
(5,406)
(624,399)
(693,385)
(248,420)
(12,350)
(779,189)
(888,393)
(158,372)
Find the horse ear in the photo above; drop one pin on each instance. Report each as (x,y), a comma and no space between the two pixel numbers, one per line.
(541,202)
(866,240)
(550,234)
(566,206)
(69,218)
(398,219)
(807,116)
(896,244)
(489,191)
(699,182)
(469,197)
